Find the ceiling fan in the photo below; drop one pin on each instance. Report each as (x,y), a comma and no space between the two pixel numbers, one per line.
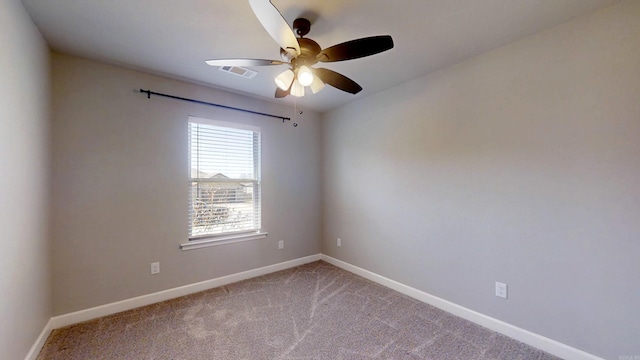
(301,54)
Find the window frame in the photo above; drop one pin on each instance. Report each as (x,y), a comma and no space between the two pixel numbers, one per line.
(213,239)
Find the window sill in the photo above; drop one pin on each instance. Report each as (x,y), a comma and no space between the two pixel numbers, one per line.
(223,240)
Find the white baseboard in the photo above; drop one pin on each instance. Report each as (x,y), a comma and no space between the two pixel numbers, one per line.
(128,304)
(538,341)
(37,346)
(551,346)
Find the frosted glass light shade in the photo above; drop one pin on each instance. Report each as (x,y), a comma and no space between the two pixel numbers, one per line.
(284,79)
(317,84)
(297,89)
(305,76)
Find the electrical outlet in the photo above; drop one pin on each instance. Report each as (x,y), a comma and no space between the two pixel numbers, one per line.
(281,244)
(155,268)
(339,242)
(501,290)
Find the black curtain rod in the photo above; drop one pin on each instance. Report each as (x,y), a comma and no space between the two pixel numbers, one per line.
(149,93)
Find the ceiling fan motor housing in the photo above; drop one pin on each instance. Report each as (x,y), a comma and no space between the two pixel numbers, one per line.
(309,51)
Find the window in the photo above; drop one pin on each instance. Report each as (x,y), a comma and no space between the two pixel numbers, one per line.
(224,181)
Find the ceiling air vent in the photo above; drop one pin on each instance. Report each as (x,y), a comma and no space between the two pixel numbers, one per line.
(240,71)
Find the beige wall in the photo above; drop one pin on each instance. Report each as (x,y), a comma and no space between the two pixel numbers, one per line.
(521,166)
(25,285)
(120,185)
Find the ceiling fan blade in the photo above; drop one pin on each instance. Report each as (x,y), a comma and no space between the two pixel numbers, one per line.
(356,48)
(337,80)
(243,62)
(276,25)
(282,93)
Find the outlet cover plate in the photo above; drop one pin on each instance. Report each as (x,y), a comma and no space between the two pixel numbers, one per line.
(501,290)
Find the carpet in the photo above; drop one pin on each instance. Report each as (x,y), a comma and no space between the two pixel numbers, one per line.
(313,312)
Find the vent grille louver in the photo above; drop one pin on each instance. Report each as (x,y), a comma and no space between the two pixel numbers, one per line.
(240,71)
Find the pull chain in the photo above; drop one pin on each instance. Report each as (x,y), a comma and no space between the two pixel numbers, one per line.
(295,115)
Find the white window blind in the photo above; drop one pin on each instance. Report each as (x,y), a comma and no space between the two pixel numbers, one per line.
(224,183)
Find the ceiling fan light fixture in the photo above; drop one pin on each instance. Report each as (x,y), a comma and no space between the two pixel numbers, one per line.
(297,89)
(284,79)
(301,54)
(305,76)
(317,84)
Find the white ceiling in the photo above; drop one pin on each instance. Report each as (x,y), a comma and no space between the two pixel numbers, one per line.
(174,37)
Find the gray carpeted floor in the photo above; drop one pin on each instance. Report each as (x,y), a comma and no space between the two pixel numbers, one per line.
(315,311)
